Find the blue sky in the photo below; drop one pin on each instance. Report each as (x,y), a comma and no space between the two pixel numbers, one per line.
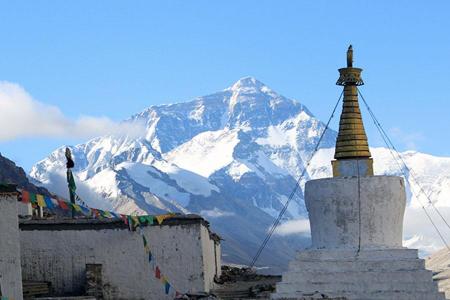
(113,59)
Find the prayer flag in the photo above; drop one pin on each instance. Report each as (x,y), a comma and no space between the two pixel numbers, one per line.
(25,197)
(147,249)
(40,200)
(49,202)
(157,272)
(135,221)
(86,211)
(76,207)
(71,182)
(150,220)
(130,222)
(167,287)
(161,218)
(63,204)
(153,265)
(106,214)
(33,198)
(124,219)
(54,201)
(95,213)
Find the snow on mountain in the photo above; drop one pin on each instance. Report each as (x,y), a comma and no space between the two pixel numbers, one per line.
(206,153)
(232,156)
(429,173)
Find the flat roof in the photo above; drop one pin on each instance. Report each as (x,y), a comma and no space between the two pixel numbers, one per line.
(99,224)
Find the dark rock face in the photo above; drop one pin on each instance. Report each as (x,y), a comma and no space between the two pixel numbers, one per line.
(12,174)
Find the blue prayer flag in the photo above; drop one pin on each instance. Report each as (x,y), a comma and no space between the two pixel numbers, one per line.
(167,287)
(49,202)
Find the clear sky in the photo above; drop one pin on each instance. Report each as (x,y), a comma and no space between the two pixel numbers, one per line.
(114,58)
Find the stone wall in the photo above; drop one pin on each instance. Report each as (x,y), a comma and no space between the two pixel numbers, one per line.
(58,251)
(10,273)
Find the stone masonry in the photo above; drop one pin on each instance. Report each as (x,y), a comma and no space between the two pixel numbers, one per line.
(10,272)
(62,251)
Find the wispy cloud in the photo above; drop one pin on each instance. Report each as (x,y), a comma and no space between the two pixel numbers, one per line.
(23,116)
(419,233)
(299,226)
(409,140)
(216,213)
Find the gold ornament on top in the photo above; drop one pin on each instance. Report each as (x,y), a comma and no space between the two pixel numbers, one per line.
(352,141)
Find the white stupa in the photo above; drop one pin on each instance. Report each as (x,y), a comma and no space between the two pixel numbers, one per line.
(356,223)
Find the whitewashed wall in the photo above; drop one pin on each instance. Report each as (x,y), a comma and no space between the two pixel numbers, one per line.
(10,273)
(58,253)
(211,258)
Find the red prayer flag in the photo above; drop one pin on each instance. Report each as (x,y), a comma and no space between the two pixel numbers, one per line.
(157,272)
(95,213)
(124,219)
(63,205)
(25,197)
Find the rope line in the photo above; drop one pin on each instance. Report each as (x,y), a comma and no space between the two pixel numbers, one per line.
(398,158)
(294,191)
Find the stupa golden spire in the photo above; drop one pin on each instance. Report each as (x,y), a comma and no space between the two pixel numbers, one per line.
(352,140)
(351,144)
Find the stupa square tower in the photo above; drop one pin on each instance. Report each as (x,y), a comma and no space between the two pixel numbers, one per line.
(356,222)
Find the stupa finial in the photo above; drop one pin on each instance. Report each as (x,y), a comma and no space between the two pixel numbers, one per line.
(350,57)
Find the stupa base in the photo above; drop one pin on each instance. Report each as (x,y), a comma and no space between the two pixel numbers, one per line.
(367,274)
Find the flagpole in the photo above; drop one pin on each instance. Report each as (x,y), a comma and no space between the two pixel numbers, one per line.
(70,179)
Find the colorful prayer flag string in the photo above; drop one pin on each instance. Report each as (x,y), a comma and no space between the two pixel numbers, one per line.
(158,274)
(133,223)
(38,200)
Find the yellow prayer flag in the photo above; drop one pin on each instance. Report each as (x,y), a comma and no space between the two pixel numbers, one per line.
(161,218)
(40,200)
(76,207)
(135,219)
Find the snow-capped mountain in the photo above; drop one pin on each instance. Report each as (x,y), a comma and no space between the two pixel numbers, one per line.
(232,156)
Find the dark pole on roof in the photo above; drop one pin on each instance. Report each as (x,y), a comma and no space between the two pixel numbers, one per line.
(70,179)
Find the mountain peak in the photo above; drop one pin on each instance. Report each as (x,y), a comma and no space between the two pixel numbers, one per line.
(248,84)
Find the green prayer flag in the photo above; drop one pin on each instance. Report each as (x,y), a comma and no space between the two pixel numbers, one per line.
(33,199)
(143,219)
(71,181)
(150,220)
